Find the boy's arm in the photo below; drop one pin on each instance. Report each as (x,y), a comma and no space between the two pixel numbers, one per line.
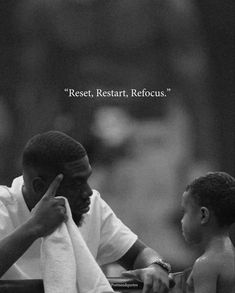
(205,275)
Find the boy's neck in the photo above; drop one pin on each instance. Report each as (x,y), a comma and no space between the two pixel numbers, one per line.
(214,237)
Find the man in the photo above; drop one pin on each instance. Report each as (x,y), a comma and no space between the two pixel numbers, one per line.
(109,240)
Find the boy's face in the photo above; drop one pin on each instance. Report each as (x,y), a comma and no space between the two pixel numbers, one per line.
(191,219)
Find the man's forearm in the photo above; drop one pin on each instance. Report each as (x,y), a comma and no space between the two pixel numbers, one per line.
(15,244)
(145,258)
(148,268)
(138,256)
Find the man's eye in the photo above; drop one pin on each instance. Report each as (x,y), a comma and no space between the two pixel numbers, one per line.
(72,184)
(77,183)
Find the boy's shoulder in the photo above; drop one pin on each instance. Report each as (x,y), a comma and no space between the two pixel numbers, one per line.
(204,275)
(207,263)
(215,267)
(215,259)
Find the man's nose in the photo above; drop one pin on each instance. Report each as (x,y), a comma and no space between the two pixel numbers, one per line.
(87,191)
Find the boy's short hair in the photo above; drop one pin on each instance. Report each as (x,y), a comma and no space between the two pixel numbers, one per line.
(50,150)
(216,191)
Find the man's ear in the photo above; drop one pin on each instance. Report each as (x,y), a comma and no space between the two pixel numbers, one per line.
(205,215)
(39,186)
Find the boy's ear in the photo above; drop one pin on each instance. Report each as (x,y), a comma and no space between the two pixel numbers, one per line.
(39,185)
(205,215)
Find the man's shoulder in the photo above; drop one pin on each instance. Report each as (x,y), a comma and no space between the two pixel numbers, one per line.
(98,205)
(95,193)
(95,196)
(6,192)
(96,199)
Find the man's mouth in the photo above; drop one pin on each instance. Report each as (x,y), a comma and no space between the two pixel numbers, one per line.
(85,207)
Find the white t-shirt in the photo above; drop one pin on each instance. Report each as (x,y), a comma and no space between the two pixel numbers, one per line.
(106,236)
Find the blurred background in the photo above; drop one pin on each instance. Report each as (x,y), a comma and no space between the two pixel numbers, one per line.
(143,150)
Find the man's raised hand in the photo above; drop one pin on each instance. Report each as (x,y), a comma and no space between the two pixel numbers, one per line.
(50,211)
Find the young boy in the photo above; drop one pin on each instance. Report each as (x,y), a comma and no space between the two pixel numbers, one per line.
(209,210)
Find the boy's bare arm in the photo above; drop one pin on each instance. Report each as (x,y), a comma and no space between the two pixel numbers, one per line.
(205,275)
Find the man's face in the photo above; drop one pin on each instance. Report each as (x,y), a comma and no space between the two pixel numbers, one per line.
(191,219)
(75,187)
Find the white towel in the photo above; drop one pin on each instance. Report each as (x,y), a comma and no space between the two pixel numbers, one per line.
(67,264)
